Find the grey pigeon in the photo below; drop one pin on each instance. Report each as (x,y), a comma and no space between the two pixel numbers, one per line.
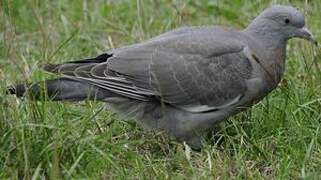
(187,80)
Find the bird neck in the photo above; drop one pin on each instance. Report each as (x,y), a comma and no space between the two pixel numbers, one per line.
(274,46)
(267,34)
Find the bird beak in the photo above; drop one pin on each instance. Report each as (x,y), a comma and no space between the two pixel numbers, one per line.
(306,34)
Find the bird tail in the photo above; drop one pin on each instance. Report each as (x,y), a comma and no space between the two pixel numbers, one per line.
(65,88)
(61,89)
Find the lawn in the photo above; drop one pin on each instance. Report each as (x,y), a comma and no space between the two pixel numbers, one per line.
(279,138)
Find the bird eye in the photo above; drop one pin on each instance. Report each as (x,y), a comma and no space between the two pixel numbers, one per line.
(287,21)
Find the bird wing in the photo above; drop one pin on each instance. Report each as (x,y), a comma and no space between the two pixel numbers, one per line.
(196,69)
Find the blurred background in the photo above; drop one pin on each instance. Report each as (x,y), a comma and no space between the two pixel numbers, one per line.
(277,139)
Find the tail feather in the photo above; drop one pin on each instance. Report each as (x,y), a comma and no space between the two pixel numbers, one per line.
(62,89)
(71,89)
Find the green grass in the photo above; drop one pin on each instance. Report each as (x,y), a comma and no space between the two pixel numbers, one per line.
(279,138)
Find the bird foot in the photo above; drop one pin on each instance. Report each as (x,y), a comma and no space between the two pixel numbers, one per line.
(194,143)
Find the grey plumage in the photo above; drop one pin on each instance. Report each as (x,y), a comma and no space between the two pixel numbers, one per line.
(187,80)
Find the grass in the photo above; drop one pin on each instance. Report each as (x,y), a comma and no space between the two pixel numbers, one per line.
(279,138)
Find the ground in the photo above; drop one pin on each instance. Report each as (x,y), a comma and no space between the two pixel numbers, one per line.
(278,138)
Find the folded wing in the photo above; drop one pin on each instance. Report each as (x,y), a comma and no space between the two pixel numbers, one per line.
(195,69)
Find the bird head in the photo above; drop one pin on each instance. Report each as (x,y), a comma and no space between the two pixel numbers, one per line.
(283,22)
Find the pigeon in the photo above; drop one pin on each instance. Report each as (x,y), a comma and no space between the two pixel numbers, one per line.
(185,81)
